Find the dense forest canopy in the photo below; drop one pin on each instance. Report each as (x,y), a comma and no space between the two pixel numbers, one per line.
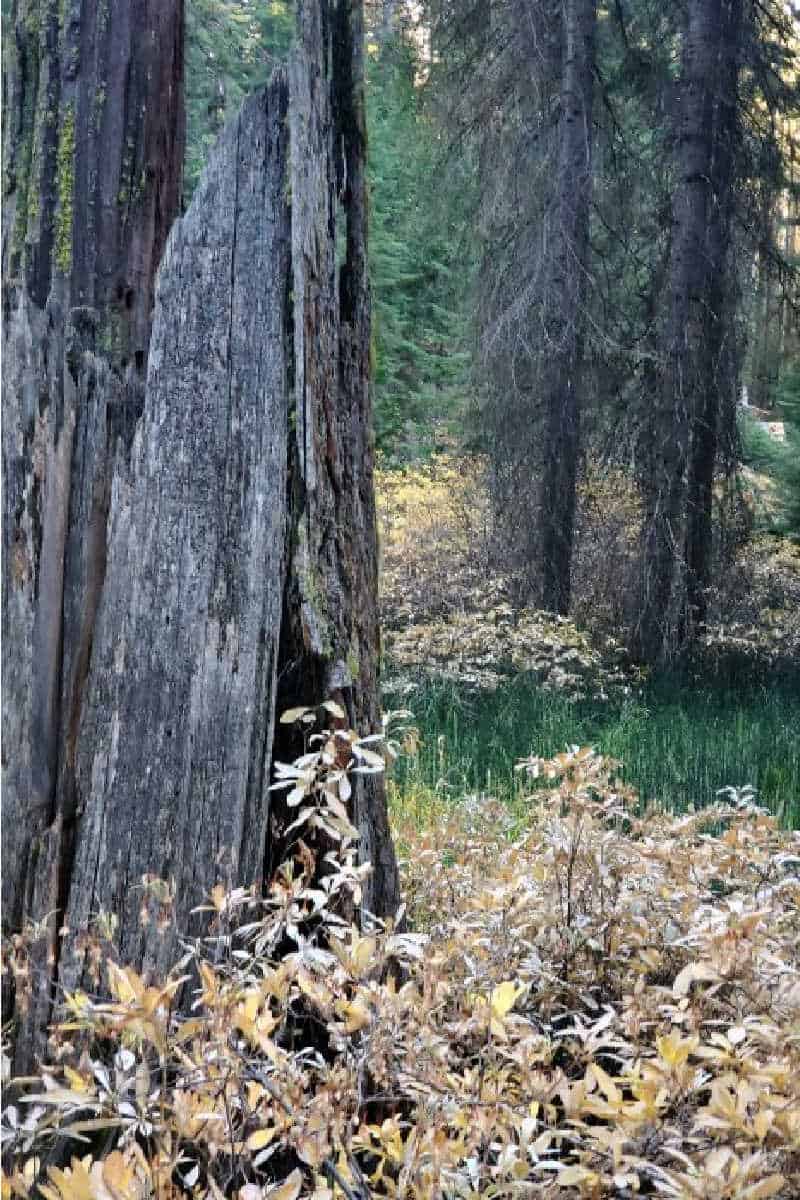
(463,130)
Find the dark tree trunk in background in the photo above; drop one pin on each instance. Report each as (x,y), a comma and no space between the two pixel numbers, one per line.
(681,384)
(241,563)
(93,124)
(563,310)
(719,369)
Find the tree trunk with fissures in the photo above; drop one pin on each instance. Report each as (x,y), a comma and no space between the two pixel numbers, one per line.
(93,147)
(241,571)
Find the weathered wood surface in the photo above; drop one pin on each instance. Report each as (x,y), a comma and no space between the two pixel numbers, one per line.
(92,158)
(237,564)
(331,637)
(174,742)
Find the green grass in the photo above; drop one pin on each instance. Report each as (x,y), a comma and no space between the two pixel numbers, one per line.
(678,744)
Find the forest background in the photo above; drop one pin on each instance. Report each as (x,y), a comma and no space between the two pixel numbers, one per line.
(465,158)
(579,975)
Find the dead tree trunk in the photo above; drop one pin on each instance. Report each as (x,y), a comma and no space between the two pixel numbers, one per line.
(92,170)
(241,550)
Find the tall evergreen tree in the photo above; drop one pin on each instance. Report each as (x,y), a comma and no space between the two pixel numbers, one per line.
(522,92)
(678,403)
(694,390)
(419,268)
(563,303)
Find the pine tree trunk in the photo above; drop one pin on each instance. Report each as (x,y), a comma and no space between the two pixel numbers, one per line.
(92,172)
(241,551)
(719,369)
(662,601)
(564,307)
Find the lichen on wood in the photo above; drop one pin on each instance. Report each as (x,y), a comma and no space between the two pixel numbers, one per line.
(65,181)
(220,558)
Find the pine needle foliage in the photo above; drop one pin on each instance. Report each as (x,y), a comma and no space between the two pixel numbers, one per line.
(417,265)
(232,47)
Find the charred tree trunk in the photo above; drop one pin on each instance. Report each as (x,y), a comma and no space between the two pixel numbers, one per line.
(92,172)
(564,307)
(241,549)
(681,384)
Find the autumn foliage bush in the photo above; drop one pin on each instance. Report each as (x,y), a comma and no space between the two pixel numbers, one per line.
(582,1003)
(755,614)
(451,607)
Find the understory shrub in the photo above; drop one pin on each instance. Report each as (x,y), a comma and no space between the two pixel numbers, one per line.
(584,1004)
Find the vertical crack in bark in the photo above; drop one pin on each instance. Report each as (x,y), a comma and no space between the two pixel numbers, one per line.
(237,166)
(66,252)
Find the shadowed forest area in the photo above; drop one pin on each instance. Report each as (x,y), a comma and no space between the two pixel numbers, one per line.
(653,503)
(401,599)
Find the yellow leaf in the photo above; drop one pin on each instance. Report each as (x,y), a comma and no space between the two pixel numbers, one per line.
(125,984)
(288,718)
(572,1176)
(363,953)
(288,1190)
(763,1122)
(497,1030)
(77,1082)
(210,986)
(504,997)
(73,1183)
(675,1050)
(356,1015)
(119,1177)
(764,1188)
(251,1004)
(261,1138)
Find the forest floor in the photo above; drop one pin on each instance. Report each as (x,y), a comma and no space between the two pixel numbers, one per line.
(591,1004)
(487,683)
(596,989)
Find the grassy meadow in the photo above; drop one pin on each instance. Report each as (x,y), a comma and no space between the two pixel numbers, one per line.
(677,746)
(487,684)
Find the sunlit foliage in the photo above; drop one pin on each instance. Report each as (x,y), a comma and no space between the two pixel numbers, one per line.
(581,1004)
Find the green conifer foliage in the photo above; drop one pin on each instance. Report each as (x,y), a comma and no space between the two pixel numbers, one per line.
(418,268)
(231,48)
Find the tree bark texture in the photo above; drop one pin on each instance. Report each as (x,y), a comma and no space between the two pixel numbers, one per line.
(678,399)
(719,369)
(92,173)
(564,306)
(241,549)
